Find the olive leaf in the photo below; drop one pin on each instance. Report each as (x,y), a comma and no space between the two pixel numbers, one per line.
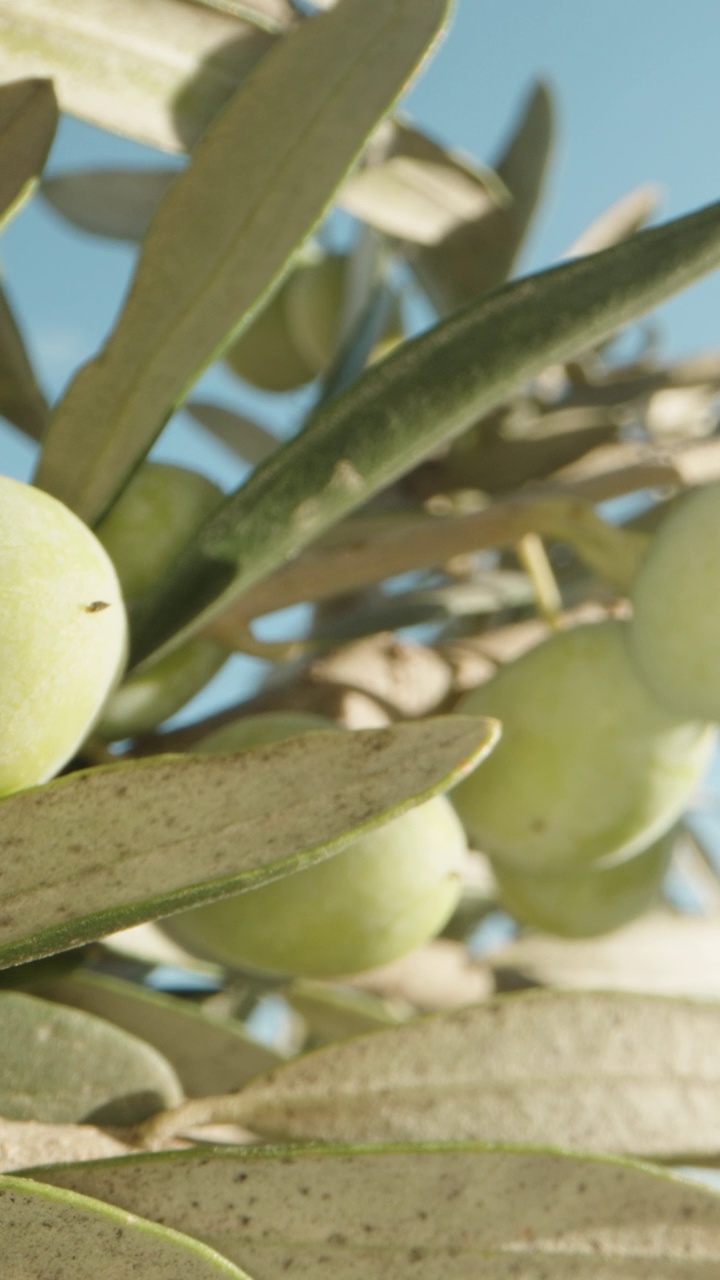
(28,1142)
(99,850)
(117,203)
(49,1232)
(615,1073)
(22,401)
(157,71)
(272,160)
(426,392)
(28,120)
(61,1065)
(248,439)
(450,1211)
(210,1055)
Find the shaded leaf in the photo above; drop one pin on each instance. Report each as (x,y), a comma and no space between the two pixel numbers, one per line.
(602,1072)
(444,1213)
(118,203)
(98,850)
(479,255)
(426,392)
(28,120)
(209,1055)
(29,1142)
(21,400)
(251,441)
(335,1013)
(273,160)
(157,71)
(60,1065)
(48,1232)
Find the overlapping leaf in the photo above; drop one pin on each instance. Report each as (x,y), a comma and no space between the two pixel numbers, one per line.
(102,849)
(445,1213)
(28,119)
(272,162)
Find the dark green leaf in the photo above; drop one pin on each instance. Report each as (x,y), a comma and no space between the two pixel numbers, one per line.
(28,120)
(21,400)
(118,203)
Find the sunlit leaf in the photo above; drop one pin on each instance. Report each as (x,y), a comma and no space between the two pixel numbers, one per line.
(28,120)
(99,850)
(444,1213)
(210,1055)
(621,220)
(28,1142)
(426,392)
(155,70)
(61,1065)
(614,1073)
(117,203)
(58,1234)
(272,160)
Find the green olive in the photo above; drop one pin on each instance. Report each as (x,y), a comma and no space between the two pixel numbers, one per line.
(675,630)
(589,764)
(384,895)
(160,509)
(63,634)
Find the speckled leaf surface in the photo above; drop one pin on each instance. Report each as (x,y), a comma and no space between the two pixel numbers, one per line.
(444,1214)
(45,1232)
(612,1072)
(65,1066)
(210,1055)
(154,70)
(99,850)
(273,159)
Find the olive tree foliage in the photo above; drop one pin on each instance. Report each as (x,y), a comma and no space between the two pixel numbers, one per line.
(428,1116)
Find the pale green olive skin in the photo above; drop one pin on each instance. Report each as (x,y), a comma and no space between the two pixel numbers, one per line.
(589,902)
(63,634)
(589,765)
(160,509)
(384,895)
(675,630)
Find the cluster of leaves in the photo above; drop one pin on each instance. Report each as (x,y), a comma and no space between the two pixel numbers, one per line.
(524,1134)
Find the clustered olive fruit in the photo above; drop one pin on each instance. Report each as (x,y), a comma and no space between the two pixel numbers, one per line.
(63,634)
(159,510)
(382,896)
(589,764)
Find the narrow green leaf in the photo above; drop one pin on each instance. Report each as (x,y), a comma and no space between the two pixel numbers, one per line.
(28,120)
(64,1066)
(99,850)
(117,203)
(251,441)
(614,1072)
(479,255)
(209,1055)
(446,1213)
(273,160)
(58,1234)
(21,400)
(427,392)
(157,71)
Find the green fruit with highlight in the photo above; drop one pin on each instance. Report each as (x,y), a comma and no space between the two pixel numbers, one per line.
(589,765)
(63,634)
(384,895)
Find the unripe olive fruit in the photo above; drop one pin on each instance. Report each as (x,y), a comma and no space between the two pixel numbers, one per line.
(384,895)
(589,765)
(590,901)
(675,630)
(159,510)
(63,634)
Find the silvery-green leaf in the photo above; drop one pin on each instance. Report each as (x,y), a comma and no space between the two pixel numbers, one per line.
(117,203)
(252,442)
(28,120)
(273,160)
(64,1066)
(613,1072)
(47,1232)
(425,393)
(157,71)
(479,255)
(99,850)
(28,1142)
(210,1055)
(444,1213)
